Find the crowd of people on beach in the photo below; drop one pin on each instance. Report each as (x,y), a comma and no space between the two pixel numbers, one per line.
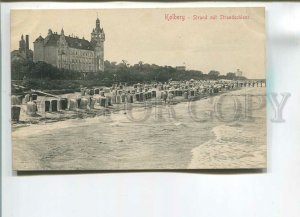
(35,101)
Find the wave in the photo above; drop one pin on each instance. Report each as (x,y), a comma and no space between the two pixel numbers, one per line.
(232,147)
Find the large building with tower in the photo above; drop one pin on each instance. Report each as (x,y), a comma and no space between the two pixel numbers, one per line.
(71,52)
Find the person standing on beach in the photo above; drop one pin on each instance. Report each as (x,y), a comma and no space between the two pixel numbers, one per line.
(170,98)
(165,96)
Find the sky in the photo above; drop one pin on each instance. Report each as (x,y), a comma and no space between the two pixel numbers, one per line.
(149,35)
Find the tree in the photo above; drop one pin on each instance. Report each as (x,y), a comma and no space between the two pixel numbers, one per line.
(230,75)
(125,63)
(213,74)
(114,73)
(42,70)
(21,68)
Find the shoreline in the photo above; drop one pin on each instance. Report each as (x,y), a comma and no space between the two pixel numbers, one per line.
(168,142)
(63,115)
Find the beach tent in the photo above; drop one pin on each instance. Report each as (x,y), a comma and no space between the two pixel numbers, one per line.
(118,99)
(185,95)
(97,90)
(153,93)
(54,105)
(73,104)
(92,103)
(108,98)
(63,103)
(15,113)
(92,92)
(82,91)
(103,102)
(16,100)
(47,106)
(83,103)
(137,96)
(34,96)
(130,98)
(31,108)
(27,98)
(123,96)
(113,99)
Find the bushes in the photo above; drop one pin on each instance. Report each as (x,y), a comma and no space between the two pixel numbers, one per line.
(26,69)
(41,75)
(65,86)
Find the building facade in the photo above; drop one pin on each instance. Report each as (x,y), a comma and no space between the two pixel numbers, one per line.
(70,52)
(180,68)
(238,73)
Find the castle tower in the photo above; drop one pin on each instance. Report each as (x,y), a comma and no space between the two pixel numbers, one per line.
(27,46)
(62,46)
(22,44)
(97,40)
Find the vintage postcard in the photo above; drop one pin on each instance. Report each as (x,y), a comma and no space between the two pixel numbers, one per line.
(138,89)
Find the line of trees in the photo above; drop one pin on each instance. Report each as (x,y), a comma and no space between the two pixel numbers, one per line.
(22,69)
(114,72)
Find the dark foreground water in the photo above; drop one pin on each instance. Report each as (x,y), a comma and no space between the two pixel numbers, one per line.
(217,132)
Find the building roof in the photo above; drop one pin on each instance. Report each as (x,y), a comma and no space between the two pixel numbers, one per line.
(79,43)
(40,38)
(51,40)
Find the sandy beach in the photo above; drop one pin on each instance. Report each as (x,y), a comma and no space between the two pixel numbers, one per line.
(156,137)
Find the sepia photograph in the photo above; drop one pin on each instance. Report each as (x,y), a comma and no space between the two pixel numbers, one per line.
(138,89)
